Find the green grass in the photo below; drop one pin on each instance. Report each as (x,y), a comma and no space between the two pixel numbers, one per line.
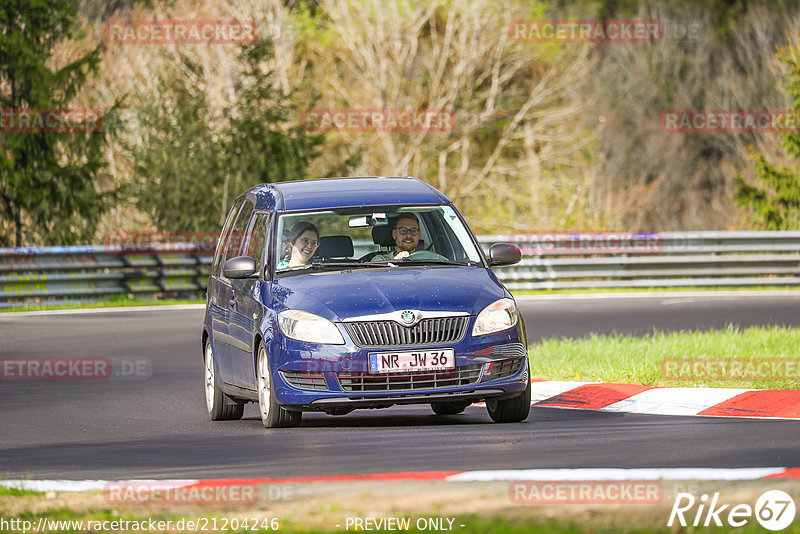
(15,492)
(587,522)
(718,358)
(590,291)
(473,524)
(483,524)
(126,302)
(110,303)
(118,302)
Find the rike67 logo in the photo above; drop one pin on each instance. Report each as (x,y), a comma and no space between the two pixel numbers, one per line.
(774,510)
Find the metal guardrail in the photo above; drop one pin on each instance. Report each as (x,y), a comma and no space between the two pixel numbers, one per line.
(97,272)
(585,260)
(669,259)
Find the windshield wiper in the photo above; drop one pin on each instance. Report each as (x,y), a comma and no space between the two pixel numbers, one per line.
(337,264)
(415,261)
(372,264)
(321,266)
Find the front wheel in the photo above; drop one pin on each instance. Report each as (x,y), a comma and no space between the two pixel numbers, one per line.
(220,407)
(273,415)
(512,410)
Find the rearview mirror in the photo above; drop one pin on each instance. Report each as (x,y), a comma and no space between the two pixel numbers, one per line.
(504,254)
(239,267)
(367,221)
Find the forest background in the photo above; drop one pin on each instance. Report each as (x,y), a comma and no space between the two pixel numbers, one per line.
(546,136)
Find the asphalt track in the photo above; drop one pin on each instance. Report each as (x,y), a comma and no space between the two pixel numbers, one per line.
(157,427)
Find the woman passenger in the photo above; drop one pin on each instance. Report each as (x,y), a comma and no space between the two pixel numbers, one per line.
(301,245)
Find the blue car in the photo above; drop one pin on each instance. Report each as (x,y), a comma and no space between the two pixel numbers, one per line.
(334,294)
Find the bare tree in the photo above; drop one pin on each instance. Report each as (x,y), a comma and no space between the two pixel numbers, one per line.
(668,180)
(517,138)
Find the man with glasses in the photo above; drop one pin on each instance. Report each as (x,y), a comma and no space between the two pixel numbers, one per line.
(406,237)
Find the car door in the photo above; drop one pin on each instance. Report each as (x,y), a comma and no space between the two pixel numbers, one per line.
(225,296)
(246,308)
(219,290)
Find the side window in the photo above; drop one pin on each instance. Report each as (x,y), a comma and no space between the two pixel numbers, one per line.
(224,236)
(257,238)
(237,234)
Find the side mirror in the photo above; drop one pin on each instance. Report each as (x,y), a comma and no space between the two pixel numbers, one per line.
(504,254)
(239,267)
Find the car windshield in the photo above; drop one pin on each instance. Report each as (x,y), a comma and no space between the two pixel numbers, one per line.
(373,237)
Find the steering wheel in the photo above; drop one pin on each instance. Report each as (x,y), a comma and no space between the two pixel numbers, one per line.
(368,256)
(424,255)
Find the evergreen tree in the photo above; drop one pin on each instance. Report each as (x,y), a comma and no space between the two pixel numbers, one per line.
(179,165)
(188,173)
(776,201)
(49,180)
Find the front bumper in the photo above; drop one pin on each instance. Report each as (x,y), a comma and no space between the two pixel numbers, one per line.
(335,378)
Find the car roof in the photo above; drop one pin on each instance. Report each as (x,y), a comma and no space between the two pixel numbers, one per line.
(324,193)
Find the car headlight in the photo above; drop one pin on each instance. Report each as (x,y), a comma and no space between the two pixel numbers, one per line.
(498,316)
(309,327)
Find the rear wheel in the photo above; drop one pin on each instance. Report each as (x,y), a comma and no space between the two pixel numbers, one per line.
(511,410)
(220,407)
(273,415)
(449,408)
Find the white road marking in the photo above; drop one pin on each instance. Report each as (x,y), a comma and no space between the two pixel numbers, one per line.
(544,390)
(661,294)
(80,311)
(674,401)
(87,485)
(586,474)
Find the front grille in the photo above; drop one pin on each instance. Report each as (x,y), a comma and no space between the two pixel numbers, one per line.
(464,375)
(448,396)
(306,380)
(503,369)
(510,349)
(434,331)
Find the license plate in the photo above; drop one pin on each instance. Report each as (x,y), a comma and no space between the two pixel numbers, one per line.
(404,362)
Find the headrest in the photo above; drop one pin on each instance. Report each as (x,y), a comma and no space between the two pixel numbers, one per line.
(382,235)
(334,246)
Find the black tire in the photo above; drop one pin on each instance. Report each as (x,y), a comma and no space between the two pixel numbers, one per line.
(449,408)
(513,410)
(220,407)
(273,415)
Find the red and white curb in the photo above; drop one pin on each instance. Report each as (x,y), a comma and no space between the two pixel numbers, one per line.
(567,475)
(631,398)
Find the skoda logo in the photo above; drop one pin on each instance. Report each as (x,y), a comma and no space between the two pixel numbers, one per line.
(408,317)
